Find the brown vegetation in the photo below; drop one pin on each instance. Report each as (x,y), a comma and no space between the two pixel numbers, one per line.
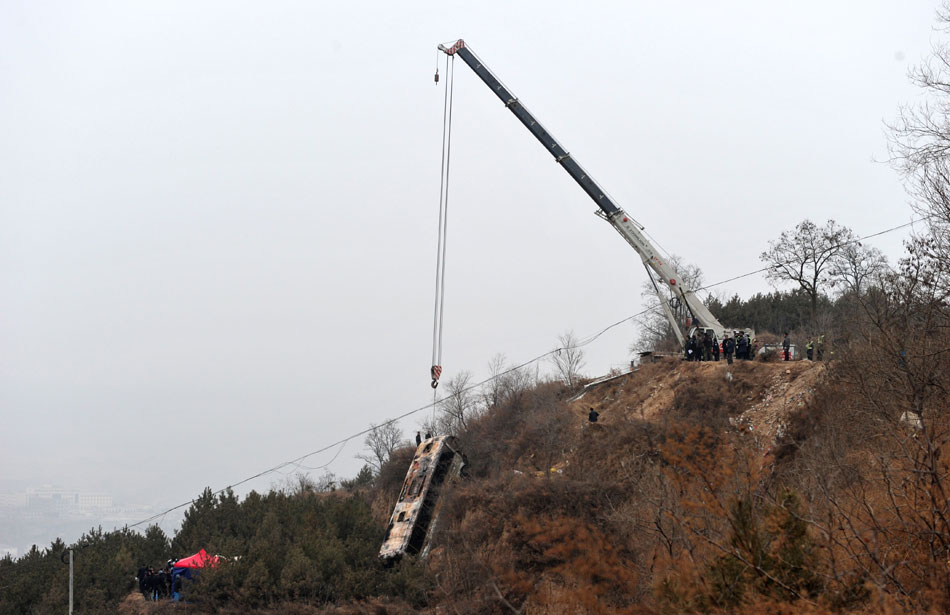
(781,487)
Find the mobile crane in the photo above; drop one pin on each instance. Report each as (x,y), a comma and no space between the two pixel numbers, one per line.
(658,269)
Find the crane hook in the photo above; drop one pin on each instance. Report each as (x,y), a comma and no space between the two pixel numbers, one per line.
(436,81)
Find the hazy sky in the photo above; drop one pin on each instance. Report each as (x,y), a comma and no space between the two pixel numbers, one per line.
(218,219)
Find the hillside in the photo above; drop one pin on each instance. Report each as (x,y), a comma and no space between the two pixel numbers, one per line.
(779,487)
(570,512)
(703,488)
(756,398)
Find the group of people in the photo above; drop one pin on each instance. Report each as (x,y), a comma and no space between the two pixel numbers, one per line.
(705,347)
(419,437)
(157,584)
(815,347)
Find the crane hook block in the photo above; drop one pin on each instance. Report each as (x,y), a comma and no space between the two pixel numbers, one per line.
(435,372)
(435,384)
(437,75)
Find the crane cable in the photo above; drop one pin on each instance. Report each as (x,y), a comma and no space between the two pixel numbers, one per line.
(439,309)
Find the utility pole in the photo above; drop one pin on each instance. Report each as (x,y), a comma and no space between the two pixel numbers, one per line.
(62,558)
(70,581)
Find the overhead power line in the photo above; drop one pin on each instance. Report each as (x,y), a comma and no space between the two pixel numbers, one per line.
(584,342)
(297,461)
(841,245)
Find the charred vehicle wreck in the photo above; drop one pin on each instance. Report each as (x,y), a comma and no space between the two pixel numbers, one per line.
(414,518)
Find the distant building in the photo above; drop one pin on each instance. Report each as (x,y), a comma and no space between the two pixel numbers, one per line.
(55,499)
(13,500)
(48,497)
(94,501)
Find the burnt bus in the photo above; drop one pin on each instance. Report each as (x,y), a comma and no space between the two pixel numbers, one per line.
(414,516)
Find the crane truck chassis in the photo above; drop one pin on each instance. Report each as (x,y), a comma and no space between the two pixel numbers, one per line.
(658,268)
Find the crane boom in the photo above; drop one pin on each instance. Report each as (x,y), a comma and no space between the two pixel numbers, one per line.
(628,228)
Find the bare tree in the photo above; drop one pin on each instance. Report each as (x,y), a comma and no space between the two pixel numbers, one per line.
(381,441)
(857,267)
(806,256)
(327,482)
(494,390)
(568,359)
(506,382)
(875,471)
(920,141)
(656,331)
(459,405)
(302,483)
(516,382)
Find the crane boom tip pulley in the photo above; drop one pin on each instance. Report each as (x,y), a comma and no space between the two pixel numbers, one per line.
(459,44)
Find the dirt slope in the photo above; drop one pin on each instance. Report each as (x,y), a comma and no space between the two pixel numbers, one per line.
(755,396)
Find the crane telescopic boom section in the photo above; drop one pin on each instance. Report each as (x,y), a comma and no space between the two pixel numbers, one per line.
(628,228)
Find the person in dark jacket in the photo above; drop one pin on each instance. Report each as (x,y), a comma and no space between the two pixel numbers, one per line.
(707,346)
(592,415)
(728,347)
(418,438)
(142,577)
(151,584)
(742,347)
(164,589)
(715,349)
(691,348)
(786,346)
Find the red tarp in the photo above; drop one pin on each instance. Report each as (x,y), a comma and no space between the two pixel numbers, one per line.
(198,560)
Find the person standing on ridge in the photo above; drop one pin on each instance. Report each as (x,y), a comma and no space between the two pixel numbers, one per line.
(728,347)
(418,438)
(715,348)
(707,346)
(142,577)
(742,347)
(809,348)
(786,345)
(691,348)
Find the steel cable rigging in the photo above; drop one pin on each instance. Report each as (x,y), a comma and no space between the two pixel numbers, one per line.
(438,311)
